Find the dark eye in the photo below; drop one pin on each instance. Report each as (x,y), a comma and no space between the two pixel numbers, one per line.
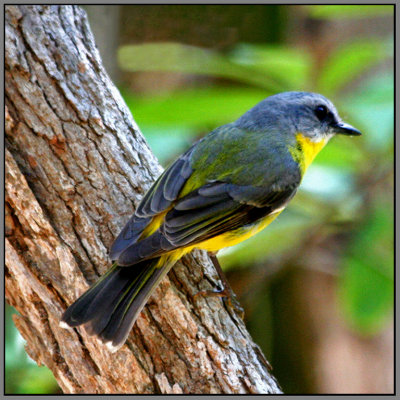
(321,112)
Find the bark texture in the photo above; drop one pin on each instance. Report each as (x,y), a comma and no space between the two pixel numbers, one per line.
(76,167)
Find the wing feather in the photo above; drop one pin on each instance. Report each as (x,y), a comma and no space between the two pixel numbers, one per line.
(167,187)
(158,198)
(205,213)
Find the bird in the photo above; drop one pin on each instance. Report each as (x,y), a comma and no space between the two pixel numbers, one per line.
(225,188)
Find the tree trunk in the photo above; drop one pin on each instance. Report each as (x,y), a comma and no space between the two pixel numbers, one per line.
(76,167)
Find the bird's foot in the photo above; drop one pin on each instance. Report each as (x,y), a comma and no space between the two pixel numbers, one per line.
(226,293)
(228,297)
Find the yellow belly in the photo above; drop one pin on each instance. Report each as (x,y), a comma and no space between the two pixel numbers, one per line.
(234,237)
(219,242)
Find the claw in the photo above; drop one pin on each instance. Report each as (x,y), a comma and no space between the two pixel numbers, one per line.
(226,293)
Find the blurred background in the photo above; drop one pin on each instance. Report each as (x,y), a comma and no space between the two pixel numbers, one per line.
(317,285)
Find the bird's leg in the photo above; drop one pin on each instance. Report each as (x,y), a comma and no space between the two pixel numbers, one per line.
(226,292)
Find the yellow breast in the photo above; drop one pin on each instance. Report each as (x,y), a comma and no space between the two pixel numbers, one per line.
(306,150)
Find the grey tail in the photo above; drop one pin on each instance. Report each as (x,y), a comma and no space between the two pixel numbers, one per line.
(110,307)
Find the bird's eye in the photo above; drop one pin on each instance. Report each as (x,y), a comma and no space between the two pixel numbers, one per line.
(321,112)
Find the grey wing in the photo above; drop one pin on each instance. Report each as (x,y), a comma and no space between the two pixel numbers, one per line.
(209,211)
(219,207)
(167,187)
(159,197)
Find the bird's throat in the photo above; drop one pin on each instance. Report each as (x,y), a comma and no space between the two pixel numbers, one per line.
(305,150)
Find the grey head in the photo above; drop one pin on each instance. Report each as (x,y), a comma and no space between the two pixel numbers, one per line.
(311,114)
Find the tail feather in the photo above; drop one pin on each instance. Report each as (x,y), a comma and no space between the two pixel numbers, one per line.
(104,304)
(76,314)
(135,307)
(111,306)
(111,290)
(106,331)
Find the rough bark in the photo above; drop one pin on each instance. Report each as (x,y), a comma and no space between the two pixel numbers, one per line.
(76,167)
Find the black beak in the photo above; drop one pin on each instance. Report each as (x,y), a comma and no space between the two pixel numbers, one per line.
(345,129)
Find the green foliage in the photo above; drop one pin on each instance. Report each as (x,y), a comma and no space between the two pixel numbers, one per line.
(366,287)
(348,62)
(177,57)
(194,108)
(22,375)
(349,11)
(371,108)
(289,65)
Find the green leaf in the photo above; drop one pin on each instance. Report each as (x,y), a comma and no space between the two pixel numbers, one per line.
(199,108)
(292,66)
(175,57)
(348,11)
(349,62)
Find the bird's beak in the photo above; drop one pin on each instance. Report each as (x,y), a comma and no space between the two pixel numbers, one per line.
(345,129)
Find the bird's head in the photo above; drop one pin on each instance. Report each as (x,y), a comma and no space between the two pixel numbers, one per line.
(310,114)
